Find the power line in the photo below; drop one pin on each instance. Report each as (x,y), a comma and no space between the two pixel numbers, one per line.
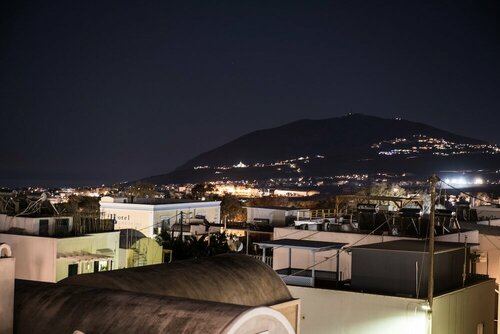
(343,249)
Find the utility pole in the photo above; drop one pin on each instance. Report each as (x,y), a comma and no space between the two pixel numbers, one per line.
(182,225)
(430,286)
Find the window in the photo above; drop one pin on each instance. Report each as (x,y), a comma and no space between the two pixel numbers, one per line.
(43,227)
(62,226)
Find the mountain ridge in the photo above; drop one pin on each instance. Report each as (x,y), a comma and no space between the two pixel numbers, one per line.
(349,138)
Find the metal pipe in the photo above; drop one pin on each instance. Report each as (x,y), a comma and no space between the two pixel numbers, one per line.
(430,286)
(464,274)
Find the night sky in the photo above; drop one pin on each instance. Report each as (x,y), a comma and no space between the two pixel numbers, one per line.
(98,91)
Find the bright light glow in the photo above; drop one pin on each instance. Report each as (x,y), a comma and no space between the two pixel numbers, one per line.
(426,307)
(478,180)
(462,181)
(240,165)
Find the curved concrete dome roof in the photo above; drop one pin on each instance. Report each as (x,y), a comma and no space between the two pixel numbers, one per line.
(229,278)
(55,308)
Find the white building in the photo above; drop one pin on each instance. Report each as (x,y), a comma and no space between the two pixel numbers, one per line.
(302,258)
(275,215)
(463,311)
(295,192)
(376,298)
(51,259)
(42,225)
(48,248)
(148,215)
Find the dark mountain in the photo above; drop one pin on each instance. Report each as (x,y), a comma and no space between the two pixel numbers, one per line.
(349,144)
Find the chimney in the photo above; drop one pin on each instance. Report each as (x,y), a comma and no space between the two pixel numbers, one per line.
(7,277)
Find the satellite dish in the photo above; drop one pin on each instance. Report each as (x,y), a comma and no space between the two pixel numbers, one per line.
(235,244)
(240,247)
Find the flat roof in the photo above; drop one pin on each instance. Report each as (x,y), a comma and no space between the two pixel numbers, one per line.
(159,206)
(284,208)
(415,246)
(38,215)
(313,245)
(163,201)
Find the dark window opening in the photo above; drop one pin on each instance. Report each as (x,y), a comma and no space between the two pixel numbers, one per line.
(43,228)
(73,269)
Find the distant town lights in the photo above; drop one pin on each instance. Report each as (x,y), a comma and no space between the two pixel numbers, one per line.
(459,181)
(478,180)
(462,181)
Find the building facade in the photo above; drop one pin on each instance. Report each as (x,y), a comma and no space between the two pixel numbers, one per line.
(50,259)
(275,216)
(37,225)
(302,258)
(149,216)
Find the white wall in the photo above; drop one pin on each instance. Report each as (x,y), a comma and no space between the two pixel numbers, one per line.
(489,248)
(35,256)
(139,217)
(459,312)
(332,311)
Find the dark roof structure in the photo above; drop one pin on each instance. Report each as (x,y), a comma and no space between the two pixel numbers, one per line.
(228,278)
(313,245)
(414,246)
(161,201)
(283,208)
(483,229)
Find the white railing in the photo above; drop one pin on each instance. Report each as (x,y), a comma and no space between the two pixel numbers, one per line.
(268,259)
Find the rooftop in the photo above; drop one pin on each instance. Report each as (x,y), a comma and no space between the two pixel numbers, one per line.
(149,201)
(39,215)
(333,228)
(483,229)
(414,246)
(284,208)
(313,245)
(229,278)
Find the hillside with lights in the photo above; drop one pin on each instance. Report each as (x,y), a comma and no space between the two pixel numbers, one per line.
(353,146)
